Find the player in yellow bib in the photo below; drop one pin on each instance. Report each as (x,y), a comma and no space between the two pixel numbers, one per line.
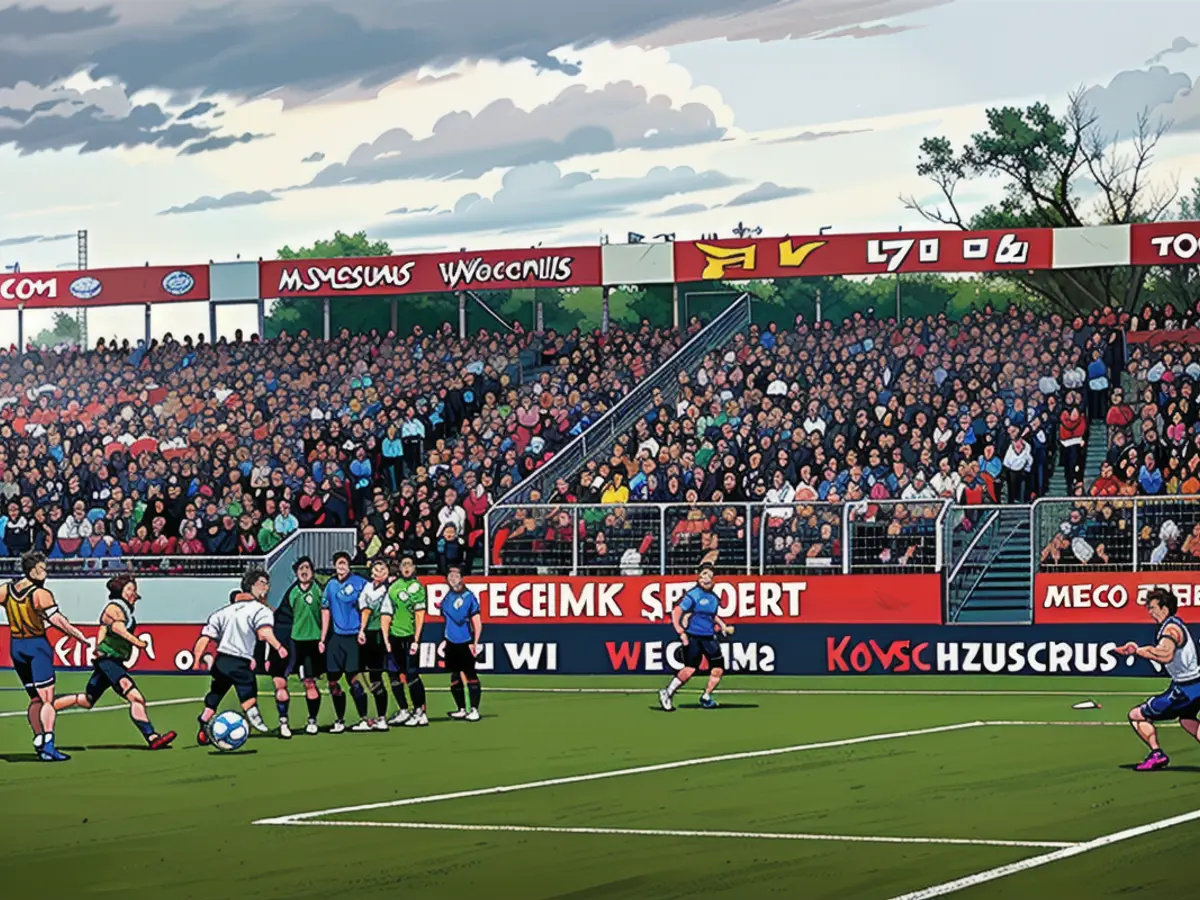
(30,609)
(114,648)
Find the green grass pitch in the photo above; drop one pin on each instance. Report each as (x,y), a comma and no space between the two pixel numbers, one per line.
(841,819)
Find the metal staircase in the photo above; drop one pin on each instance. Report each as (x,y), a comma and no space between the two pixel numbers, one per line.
(990,579)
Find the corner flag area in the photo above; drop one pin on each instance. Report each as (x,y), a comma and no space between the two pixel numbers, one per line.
(867,788)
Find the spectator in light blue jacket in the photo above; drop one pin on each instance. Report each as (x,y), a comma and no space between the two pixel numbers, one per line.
(1150,479)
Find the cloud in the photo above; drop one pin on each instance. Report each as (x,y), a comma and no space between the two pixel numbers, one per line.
(542,195)
(1130,94)
(229,201)
(578,121)
(221,142)
(405,211)
(1179,45)
(858,32)
(1184,111)
(765,193)
(200,109)
(36,239)
(39,21)
(551,63)
(686,209)
(250,49)
(316,157)
(805,137)
(100,117)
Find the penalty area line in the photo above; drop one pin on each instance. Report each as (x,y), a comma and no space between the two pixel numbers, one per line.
(960,884)
(20,713)
(662,832)
(617,773)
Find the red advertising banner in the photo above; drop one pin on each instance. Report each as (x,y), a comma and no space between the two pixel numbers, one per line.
(490,270)
(847,599)
(1098,597)
(103,287)
(1165,244)
(168,648)
(865,254)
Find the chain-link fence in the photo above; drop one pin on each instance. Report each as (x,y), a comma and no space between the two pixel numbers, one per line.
(1097,534)
(735,538)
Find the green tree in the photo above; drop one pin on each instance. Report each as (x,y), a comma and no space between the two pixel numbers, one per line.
(1057,171)
(358,314)
(65,329)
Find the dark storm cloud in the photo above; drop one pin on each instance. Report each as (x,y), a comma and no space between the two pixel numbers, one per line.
(39,21)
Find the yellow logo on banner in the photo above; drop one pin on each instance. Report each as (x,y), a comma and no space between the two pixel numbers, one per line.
(718,259)
(793,257)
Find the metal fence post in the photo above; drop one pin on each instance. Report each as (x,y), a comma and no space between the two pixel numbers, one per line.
(487,542)
(845,538)
(1136,561)
(574,540)
(749,539)
(662,539)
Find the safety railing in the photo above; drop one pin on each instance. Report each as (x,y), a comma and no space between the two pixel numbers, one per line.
(192,565)
(736,538)
(1097,534)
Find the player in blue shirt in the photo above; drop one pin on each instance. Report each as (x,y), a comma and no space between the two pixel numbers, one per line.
(339,609)
(696,622)
(460,645)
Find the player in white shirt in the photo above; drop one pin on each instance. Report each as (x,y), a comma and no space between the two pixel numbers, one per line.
(373,604)
(236,629)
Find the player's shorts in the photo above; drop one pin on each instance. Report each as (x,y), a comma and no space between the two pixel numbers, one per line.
(703,648)
(341,655)
(1179,701)
(459,658)
(108,673)
(269,662)
(403,662)
(373,654)
(307,659)
(33,661)
(233,672)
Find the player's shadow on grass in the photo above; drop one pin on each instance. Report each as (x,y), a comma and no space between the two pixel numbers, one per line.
(715,709)
(117,747)
(234,753)
(1132,767)
(19,757)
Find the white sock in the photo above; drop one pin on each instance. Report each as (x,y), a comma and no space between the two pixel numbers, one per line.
(707,695)
(38,740)
(675,685)
(254,716)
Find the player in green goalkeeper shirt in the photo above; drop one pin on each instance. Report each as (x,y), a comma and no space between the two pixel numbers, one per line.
(303,598)
(404,629)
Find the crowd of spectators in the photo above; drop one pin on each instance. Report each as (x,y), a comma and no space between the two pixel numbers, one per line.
(190,448)
(187,448)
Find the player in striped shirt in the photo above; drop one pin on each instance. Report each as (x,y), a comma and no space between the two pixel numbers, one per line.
(374,604)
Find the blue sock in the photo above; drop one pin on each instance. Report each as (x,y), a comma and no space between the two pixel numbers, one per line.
(145,728)
(282,707)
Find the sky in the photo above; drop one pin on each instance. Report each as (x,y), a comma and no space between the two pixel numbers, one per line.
(177,132)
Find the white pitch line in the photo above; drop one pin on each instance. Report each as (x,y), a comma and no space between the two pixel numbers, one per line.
(960,884)
(817,692)
(616,773)
(658,832)
(20,713)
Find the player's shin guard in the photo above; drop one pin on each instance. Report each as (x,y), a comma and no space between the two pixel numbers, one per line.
(314,706)
(360,698)
(144,726)
(475,690)
(379,692)
(457,692)
(398,692)
(416,688)
(339,701)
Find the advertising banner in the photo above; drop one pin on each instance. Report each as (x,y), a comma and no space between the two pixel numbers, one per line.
(1071,598)
(103,287)
(841,650)
(1165,244)
(1157,338)
(429,273)
(899,599)
(865,254)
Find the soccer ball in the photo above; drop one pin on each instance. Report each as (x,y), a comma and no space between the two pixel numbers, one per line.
(228,731)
